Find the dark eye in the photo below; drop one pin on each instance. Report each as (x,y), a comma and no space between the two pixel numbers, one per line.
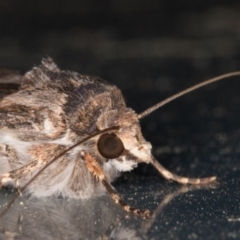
(110,146)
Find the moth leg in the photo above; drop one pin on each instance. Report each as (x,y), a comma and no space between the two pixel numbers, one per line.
(18,173)
(184,180)
(97,172)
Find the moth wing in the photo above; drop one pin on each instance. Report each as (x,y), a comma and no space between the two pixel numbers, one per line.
(21,127)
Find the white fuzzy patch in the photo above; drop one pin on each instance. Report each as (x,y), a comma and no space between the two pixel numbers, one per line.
(123,165)
(64,140)
(21,147)
(10,138)
(56,184)
(48,126)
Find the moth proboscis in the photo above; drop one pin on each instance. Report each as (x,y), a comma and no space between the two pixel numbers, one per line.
(64,133)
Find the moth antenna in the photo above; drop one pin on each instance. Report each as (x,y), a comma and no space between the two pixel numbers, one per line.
(188,90)
(52,161)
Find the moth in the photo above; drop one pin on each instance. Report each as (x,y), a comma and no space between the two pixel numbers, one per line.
(64,133)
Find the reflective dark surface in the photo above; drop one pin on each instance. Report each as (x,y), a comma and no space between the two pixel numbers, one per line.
(151,51)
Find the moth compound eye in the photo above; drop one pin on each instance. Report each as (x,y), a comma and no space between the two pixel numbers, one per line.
(110,146)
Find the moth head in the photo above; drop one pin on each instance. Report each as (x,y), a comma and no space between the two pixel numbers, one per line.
(125,147)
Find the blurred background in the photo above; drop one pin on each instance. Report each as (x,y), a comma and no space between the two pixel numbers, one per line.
(81,34)
(151,50)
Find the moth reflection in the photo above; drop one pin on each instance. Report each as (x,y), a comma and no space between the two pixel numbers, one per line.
(58,218)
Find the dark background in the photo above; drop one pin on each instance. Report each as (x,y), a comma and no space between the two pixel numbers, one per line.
(151,50)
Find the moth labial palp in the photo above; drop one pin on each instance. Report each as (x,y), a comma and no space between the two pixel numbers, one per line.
(72,135)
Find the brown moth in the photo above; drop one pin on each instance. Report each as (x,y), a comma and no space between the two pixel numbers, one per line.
(63,133)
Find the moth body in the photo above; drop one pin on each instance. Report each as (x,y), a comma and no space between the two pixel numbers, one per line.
(64,133)
(51,111)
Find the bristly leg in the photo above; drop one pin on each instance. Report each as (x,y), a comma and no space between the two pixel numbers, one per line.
(97,172)
(18,173)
